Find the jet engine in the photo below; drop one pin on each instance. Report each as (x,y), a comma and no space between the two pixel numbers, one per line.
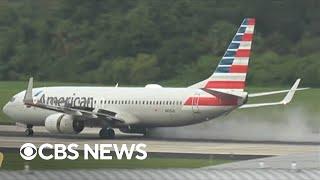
(63,123)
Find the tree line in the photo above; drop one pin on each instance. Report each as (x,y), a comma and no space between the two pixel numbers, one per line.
(173,43)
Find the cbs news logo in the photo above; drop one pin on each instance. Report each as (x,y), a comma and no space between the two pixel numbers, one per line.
(29,151)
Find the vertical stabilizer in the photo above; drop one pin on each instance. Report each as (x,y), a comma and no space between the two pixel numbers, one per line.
(233,67)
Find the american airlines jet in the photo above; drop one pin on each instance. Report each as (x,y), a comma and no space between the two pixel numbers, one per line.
(68,109)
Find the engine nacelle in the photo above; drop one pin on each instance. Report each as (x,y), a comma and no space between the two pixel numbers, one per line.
(63,123)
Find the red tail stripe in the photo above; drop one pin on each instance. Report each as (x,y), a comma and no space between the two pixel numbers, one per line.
(226,84)
(211,101)
(247,37)
(239,69)
(251,21)
(243,53)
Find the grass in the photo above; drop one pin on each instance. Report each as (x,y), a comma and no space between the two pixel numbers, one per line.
(307,99)
(13,161)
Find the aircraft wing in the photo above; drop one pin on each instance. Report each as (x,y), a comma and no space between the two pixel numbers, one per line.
(285,100)
(28,100)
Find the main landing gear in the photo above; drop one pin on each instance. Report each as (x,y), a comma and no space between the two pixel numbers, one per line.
(107,133)
(29,131)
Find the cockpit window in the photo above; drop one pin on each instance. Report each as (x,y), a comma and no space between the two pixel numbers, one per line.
(12,99)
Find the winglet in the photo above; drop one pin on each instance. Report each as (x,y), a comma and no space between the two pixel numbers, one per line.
(28,95)
(291,92)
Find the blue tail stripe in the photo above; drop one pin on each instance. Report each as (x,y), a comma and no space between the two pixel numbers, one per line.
(226,61)
(230,54)
(245,22)
(223,69)
(241,30)
(234,46)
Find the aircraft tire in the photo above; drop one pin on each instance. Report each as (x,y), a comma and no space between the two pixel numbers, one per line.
(107,133)
(28,132)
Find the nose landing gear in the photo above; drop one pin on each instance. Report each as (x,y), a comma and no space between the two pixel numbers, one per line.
(107,133)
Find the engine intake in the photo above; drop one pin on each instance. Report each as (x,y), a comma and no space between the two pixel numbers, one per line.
(63,123)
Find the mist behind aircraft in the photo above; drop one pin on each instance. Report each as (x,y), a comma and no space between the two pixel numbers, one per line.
(293,123)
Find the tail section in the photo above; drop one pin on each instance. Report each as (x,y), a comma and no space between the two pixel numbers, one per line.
(233,67)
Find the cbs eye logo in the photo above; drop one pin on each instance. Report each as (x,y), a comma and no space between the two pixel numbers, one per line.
(28,151)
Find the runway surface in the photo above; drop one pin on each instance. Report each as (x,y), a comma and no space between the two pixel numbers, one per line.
(13,137)
(291,161)
(164,174)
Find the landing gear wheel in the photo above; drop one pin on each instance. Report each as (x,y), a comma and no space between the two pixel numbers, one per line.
(107,133)
(111,133)
(28,132)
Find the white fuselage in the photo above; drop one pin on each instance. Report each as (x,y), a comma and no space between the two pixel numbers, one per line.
(145,107)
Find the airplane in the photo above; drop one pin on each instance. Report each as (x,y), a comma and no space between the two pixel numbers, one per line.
(69,109)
